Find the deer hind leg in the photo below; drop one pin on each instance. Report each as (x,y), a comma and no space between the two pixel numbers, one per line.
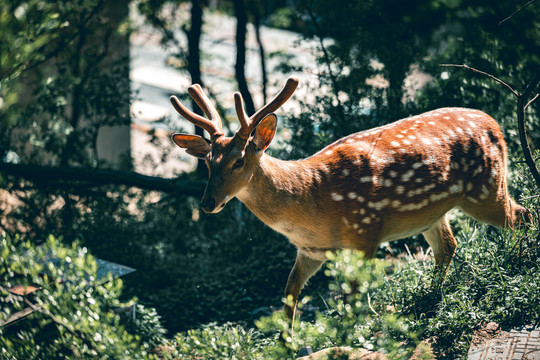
(495,208)
(439,236)
(303,269)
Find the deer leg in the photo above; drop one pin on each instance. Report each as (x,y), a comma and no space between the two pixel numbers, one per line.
(499,211)
(439,236)
(303,269)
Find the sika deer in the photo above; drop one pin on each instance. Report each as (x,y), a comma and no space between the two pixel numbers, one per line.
(379,185)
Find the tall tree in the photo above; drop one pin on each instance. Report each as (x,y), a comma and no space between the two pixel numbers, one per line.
(239,67)
(256,12)
(193,34)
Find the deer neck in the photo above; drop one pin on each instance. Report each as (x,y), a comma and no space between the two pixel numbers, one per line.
(277,187)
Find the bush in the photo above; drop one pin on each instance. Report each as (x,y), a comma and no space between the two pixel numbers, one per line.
(73,315)
(395,305)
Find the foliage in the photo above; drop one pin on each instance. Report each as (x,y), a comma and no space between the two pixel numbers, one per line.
(371,59)
(73,315)
(64,84)
(213,341)
(352,318)
(391,305)
(475,36)
(205,269)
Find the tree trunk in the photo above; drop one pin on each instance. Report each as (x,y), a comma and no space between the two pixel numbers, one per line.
(241,30)
(262,54)
(194,64)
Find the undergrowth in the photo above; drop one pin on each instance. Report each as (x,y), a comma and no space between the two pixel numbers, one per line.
(392,305)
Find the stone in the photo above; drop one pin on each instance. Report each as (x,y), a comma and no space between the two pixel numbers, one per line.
(341,352)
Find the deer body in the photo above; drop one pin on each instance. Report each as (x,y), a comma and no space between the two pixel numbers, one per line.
(370,187)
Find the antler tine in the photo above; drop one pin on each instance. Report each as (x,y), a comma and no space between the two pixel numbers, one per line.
(212,126)
(197,93)
(247,126)
(242,116)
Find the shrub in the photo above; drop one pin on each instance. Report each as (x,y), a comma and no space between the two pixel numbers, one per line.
(72,317)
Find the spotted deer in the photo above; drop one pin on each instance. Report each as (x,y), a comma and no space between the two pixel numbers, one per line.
(374,186)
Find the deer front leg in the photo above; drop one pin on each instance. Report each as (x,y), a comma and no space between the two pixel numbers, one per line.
(304,267)
(439,236)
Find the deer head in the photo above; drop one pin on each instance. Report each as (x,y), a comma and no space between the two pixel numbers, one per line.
(231,161)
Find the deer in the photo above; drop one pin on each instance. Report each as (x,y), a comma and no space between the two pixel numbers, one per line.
(383,184)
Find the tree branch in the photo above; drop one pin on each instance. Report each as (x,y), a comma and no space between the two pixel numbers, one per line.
(93,177)
(483,73)
(522,104)
(515,12)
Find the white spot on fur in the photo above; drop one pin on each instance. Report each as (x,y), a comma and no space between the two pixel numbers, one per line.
(346,172)
(412,137)
(471,199)
(407,176)
(426,141)
(436,197)
(336,196)
(329,152)
(387,182)
(469,186)
(393,173)
(366,220)
(429,187)
(400,189)
(417,165)
(455,188)
(394,143)
(352,195)
(365,179)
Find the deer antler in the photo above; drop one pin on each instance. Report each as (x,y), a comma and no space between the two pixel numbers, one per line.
(248,124)
(213,124)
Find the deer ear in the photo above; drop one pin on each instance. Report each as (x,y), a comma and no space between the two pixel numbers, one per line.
(194,144)
(265,131)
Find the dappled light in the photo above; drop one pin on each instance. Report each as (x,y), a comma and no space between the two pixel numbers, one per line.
(165,164)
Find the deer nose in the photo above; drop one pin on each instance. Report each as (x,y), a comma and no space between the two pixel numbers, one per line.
(208,205)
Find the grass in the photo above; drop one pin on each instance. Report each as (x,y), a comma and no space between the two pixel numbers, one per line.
(391,305)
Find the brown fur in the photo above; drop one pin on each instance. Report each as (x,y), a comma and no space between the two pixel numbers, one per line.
(378,185)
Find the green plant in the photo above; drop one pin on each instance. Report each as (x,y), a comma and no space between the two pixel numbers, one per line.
(72,316)
(213,341)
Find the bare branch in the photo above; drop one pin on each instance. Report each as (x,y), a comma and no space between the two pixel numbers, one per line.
(515,12)
(521,106)
(483,73)
(99,177)
(530,102)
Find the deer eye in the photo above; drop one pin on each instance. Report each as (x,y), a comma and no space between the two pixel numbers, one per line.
(238,164)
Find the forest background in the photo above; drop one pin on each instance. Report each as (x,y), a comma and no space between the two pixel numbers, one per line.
(64,79)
